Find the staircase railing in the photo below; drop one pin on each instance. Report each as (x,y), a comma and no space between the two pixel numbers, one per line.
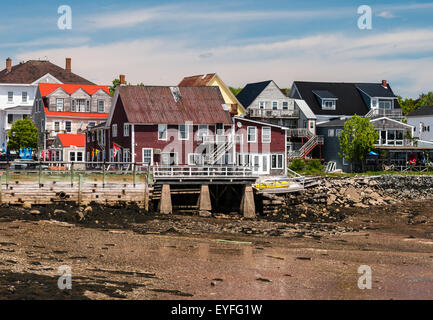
(306,148)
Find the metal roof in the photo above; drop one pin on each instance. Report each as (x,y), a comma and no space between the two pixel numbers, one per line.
(160,105)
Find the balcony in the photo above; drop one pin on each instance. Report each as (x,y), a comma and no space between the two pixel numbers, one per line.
(274,114)
(396,114)
(220,139)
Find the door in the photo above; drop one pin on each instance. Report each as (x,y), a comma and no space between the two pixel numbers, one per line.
(260,164)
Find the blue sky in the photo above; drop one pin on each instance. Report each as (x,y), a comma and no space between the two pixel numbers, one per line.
(159,42)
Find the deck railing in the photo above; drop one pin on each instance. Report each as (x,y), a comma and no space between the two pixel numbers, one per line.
(202,172)
(265,113)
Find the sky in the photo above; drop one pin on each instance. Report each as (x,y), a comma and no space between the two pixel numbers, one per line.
(160,42)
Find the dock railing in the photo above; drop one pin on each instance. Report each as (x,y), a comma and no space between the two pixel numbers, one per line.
(202,172)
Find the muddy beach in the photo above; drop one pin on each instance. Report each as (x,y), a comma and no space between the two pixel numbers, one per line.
(122,253)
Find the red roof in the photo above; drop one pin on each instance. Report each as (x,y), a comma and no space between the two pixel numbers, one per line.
(67,140)
(47,88)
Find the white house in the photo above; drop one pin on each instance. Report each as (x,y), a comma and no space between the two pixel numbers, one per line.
(18,86)
(422,120)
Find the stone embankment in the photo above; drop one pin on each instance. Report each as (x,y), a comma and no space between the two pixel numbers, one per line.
(332,194)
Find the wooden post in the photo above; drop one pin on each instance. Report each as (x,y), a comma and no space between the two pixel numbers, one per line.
(7,175)
(40,173)
(205,206)
(1,190)
(72,174)
(103,175)
(165,206)
(248,208)
(134,177)
(146,196)
(79,190)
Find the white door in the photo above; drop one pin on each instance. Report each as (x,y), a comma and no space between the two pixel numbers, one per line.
(260,163)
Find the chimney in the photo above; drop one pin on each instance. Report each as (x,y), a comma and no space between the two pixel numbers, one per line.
(385,84)
(68,65)
(8,64)
(122,79)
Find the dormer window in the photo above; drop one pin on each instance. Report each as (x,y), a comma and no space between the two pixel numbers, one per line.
(385,104)
(326,99)
(328,104)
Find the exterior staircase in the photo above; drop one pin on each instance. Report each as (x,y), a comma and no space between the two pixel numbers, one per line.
(306,148)
(222,144)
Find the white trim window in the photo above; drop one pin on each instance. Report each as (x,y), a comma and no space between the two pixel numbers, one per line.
(10,96)
(56,126)
(252,134)
(114,130)
(101,106)
(24,97)
(147,156)
(183,132)
(203,130)
(126,155)
(262,104)
(386,104)
(266,134)
(68,126)
(285,105)
(274,105)
(87,106)
(328,104)
(59,105)
(126,129)
(73,105)
(338,132)
(331,132)
(162,132)
(76,156)
(195,159)
(277,161)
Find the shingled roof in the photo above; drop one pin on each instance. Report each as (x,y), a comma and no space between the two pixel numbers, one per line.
(350,100)
(32,70)
(156,105)
(197,81)
(422,111)
(251,91)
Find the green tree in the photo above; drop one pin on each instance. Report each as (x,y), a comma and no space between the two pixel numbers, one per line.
(23,134)
(409,105)
(357,140)
(235,91)
(425,100)
(116,82)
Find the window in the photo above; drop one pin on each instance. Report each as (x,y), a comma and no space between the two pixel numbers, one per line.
(277,161)
(203,130)
(73,106)
(331,132)
(219,127)
(10,97)
(79,105)
(148,156)
(24,97)
(101,106)
(56,126)
(126,155)
(68,126)
(195,159)
(168,158)
(338,132)
(261,104)
(76,156)
(394,137)
(274,105)
(10,118)
(385,104)
(162,132)
(183,132)
(266,134)
(91,124)
(59,103)
(126,130)
(328,104)
(252,134)
(114,130)
(285,105)
(87,106)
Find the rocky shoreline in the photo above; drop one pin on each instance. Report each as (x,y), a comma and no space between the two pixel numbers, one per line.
(332,194)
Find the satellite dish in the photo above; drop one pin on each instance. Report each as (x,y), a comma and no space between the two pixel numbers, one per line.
(239,125)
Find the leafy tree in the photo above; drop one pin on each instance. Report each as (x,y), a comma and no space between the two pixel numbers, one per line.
(357,140)
(286,91)
(116,82)
(425,100)
(409,105)
(23,134)
(235,91)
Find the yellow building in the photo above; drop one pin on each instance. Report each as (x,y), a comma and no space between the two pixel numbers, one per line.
(212,80)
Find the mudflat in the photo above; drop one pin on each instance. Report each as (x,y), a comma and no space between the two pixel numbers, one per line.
(124,254)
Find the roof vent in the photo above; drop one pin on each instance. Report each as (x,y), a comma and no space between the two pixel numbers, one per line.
(203,76)
(176,93)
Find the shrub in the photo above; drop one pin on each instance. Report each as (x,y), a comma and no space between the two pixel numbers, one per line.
(297,165)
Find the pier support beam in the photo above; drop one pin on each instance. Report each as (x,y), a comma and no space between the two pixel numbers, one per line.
(204,205)
(248,208)
(165,206)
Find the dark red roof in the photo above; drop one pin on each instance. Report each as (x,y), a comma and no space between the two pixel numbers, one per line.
(32,70)
(197,81)
(153,105)
(68,139)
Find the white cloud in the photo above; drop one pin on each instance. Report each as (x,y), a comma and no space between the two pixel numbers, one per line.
(324,57)
(386,15)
